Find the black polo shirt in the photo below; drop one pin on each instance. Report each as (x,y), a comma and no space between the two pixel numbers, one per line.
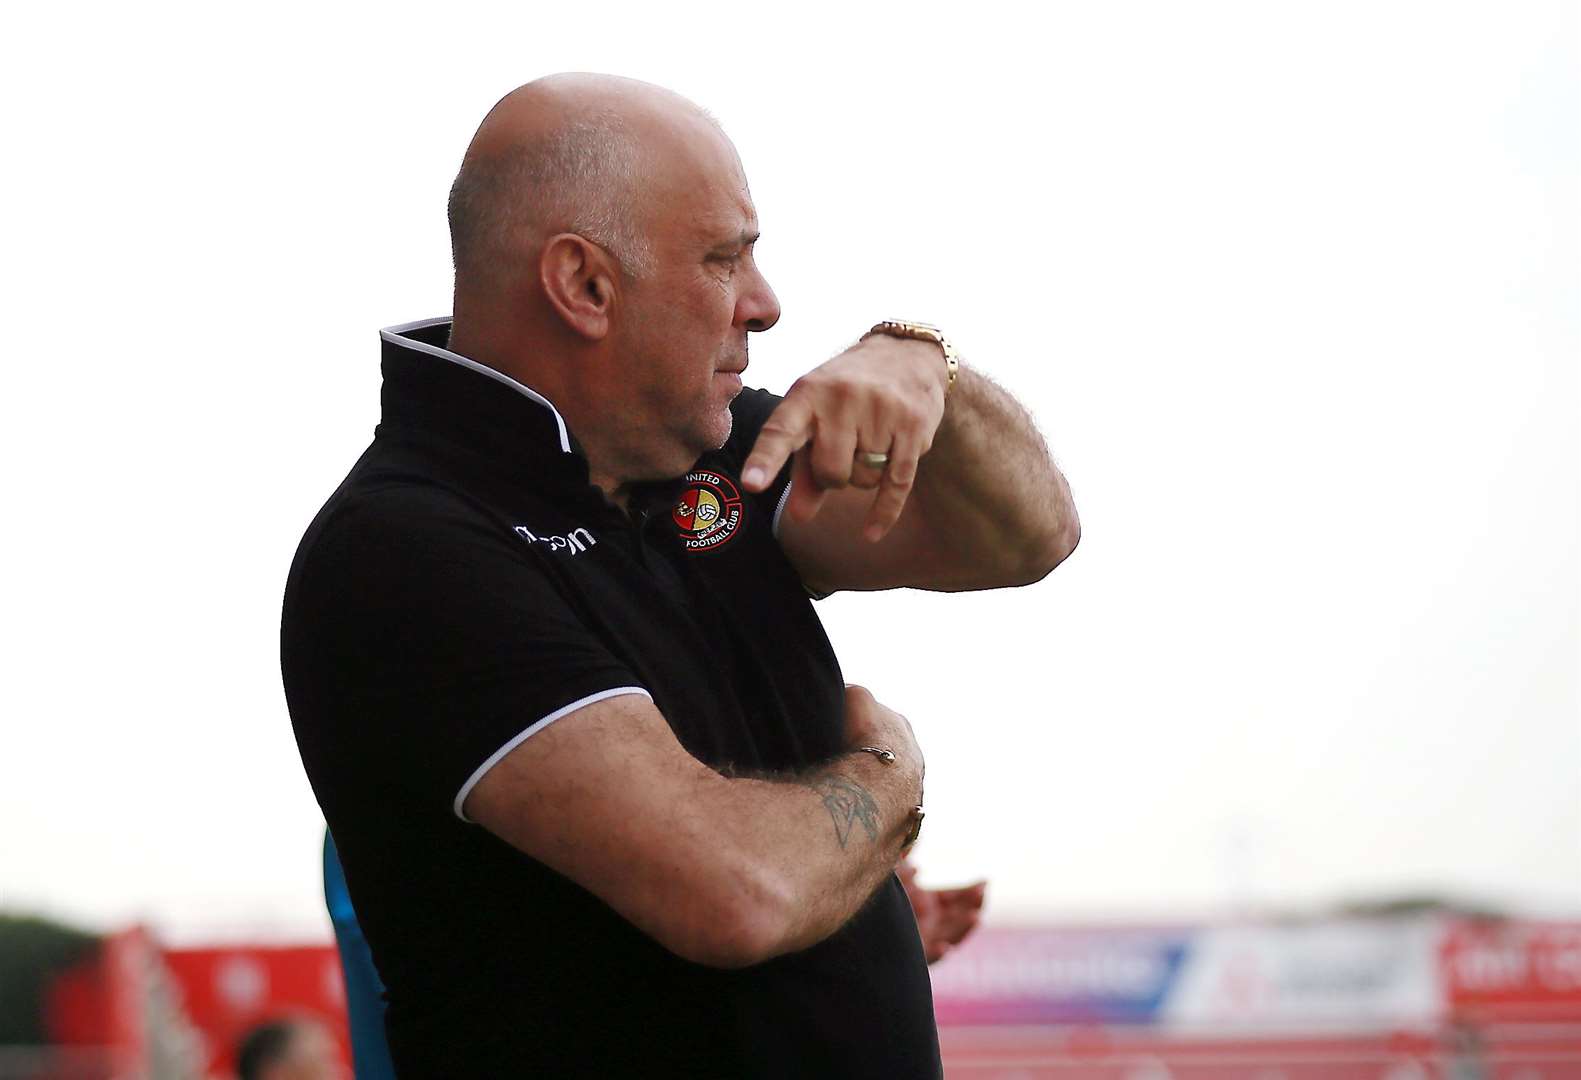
(465,587)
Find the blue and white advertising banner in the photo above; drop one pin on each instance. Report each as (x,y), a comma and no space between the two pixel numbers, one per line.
(1343,975)
(1336,975)
(1035,976)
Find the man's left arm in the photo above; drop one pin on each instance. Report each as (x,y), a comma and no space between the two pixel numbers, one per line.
(969,497)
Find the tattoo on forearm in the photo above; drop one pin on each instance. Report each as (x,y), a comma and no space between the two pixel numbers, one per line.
(848,803)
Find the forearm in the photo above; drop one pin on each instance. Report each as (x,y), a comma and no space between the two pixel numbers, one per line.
(823,840)
(989,493)
(901,482)
(721,870)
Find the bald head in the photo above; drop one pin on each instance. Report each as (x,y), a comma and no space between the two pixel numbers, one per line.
(567,153)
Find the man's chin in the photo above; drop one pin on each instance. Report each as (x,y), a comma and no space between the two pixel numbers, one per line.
(726,425)
(706,439)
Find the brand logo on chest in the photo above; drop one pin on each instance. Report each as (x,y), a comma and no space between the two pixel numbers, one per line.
(576,541)
(709,512)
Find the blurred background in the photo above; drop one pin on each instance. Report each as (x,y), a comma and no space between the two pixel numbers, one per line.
(1276,778)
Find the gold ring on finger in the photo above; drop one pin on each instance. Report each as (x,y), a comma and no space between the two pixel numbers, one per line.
(872,460)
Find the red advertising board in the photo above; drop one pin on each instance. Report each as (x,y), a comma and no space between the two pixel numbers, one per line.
(1513,971)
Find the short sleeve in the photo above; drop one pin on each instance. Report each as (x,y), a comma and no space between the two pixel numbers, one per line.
(419,647)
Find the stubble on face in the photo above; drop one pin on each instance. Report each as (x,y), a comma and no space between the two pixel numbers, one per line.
(682,376)
(686,351)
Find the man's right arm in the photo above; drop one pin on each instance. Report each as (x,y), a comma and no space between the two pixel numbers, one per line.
(720,870)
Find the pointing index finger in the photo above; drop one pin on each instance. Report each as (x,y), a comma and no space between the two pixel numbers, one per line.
(787,430)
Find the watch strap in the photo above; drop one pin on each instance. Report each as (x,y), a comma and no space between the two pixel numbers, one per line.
(923,332)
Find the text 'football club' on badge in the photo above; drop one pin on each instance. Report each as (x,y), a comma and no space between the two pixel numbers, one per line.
(708,513)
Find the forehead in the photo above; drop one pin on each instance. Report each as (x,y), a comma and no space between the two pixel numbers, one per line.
(723,215)
(312,1042)
(705,193)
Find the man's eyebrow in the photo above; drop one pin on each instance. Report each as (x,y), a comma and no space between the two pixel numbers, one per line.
(745,239)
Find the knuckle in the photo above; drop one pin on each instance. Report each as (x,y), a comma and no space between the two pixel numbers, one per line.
(845,388)
(828,476)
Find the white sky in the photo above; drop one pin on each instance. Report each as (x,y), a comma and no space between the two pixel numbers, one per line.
(1292,289)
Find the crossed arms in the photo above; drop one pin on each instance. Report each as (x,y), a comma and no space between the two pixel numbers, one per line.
(721,871)
(729,871)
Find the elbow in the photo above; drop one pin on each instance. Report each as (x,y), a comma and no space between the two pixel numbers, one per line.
(1053,548)
(740,922)
(1067,536)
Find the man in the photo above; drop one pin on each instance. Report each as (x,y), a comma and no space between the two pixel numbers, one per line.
(293,1049)
(604,803)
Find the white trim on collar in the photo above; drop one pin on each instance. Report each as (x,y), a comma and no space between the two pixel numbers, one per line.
(395,335)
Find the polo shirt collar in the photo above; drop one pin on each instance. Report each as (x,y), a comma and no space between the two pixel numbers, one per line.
(431,391)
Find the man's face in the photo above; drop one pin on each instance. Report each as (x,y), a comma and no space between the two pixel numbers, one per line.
(311,1055)
(684,328)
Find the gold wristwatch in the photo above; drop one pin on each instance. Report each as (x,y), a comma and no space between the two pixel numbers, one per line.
(923,332)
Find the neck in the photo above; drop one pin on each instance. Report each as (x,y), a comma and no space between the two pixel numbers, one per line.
(568,379)
(614,490)
(470,339)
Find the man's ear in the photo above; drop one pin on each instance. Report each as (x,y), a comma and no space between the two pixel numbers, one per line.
(579,280)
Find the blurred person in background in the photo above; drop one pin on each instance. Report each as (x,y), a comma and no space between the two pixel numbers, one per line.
(1468,1054)
(295,1048)
(603,799)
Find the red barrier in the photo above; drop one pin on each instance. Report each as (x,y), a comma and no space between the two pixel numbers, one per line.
(1507,1006)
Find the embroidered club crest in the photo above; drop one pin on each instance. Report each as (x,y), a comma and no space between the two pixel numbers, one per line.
(708,513)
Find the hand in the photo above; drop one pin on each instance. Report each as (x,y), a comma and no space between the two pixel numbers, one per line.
(884,395)
(867,723)
(944,916)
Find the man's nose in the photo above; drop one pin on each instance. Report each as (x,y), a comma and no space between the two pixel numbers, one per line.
(757,308)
